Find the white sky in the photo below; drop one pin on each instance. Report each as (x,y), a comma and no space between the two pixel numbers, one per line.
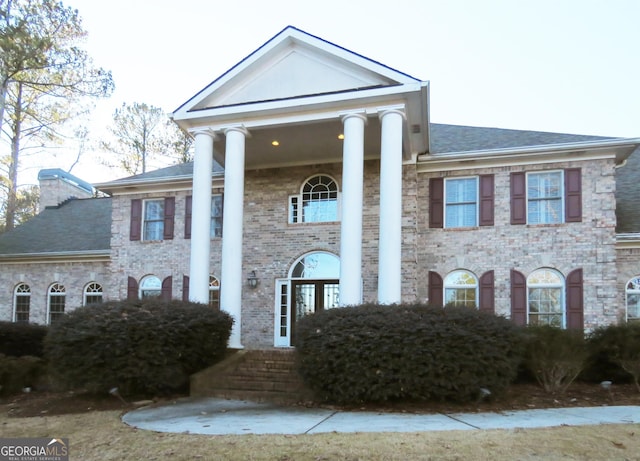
(570,66)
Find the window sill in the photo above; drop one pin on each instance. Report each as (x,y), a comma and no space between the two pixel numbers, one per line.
(304,224)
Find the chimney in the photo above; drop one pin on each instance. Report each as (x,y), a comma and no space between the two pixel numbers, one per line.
(57,185)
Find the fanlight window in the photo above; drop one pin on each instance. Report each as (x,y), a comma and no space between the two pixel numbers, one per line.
(461,289)
(93,294)
(22,303)
(150,287)
(546,303)
(57,301)
(318,201)
(317,266)
(633,299)
(214,292)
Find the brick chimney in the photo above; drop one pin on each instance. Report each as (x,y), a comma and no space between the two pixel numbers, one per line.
(57,185)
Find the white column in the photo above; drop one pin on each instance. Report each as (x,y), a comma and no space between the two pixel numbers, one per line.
(231,278)
(351,220)
(390,243)
(201,217)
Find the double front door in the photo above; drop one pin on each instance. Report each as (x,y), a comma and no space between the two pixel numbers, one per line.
(309,296)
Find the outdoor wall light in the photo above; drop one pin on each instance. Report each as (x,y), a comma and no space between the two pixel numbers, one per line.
(252,280)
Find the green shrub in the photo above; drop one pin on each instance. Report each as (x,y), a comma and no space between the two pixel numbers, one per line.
(619,345)
(18,339)
(378,353)
(140,347)
(554,356)
(17,373)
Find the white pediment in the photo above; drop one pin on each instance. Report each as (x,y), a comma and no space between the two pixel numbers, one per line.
(294,64)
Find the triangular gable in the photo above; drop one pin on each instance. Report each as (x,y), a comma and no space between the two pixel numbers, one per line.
(294,64)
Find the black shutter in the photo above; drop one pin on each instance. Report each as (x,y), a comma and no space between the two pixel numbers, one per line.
(575,302)
(518,298)
(518,198)
(487,293)
(572,195)
(135,225)
(436,203)
(166,292)
(169,217)
(486,200)
(132,289)
(436,289)
(187,217)
(185,288)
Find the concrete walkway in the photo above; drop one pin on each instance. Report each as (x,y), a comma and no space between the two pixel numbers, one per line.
(221,417)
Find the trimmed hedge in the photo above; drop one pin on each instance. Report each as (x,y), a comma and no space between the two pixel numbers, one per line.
(18,339)
(616,349)
(380,352)
(555,356)
(140,347)
(17,373)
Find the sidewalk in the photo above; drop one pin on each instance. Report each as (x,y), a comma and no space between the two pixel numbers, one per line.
(222,417)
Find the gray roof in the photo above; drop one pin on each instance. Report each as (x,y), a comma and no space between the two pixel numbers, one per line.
(76,225)
(180,169)
(79,225)
(460,138)
(628,195)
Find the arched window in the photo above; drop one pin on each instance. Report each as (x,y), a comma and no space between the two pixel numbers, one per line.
(545,289)
(633,299)
(92,294)
(57,301)
(22,303)
(317,265)
(317,202)
(214,292)
(461,289)
(150,287)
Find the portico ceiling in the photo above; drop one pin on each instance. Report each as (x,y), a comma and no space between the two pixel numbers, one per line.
(298,144)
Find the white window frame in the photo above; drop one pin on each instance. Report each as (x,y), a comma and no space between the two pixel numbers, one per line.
(94,290)
(145,203)
(546,199)
(214,228)
(56,291)
(296,203)
(561,286)
(476,202)
(142,288)
(214,292)
(448,285)
(634,283)
(21,290)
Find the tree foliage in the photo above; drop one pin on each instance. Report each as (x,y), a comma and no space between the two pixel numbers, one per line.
(143,136)
(27,202)
(46,79)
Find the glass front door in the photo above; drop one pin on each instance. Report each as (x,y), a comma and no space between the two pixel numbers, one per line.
(311,296)
(312,285)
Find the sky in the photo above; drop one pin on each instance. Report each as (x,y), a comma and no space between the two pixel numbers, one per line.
(570,66)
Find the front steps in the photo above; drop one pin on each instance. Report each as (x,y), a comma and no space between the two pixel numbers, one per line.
(258,375)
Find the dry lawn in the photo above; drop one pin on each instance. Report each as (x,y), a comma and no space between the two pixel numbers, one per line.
(102,436)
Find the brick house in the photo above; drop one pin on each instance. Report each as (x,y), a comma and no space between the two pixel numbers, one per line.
(318,182)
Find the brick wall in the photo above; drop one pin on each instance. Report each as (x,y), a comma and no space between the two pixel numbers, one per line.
(166,258)
(272,245)
(74,276)
(589,244)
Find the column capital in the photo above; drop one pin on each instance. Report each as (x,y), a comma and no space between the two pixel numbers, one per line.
(383,112)
(238,128)
(358,114)
(203,131)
